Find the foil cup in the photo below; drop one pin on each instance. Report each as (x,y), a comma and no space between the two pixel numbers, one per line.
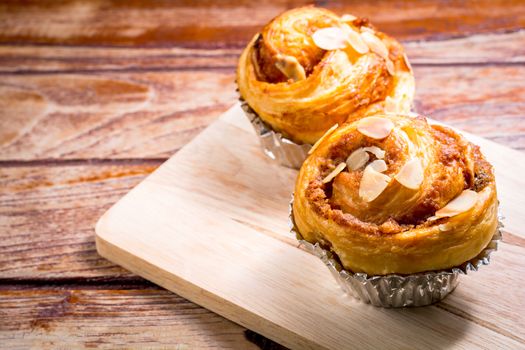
(393,290)
(274,145)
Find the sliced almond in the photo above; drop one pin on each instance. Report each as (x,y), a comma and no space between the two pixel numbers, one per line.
(325,135)
(367,29)
(462,203)
(334,172)
(332,38)
(390,67)
(376,151)
(375,127)
(355,40)
(411,174)
(357,159)
(373,183)
(375,44)
(290,67)
(348,17)
(405,58)
(379,165)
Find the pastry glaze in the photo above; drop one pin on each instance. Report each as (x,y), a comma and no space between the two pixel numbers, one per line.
(393,233)
(322,87)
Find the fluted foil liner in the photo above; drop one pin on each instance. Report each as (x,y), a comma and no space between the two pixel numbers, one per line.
(274,145)
(389,291)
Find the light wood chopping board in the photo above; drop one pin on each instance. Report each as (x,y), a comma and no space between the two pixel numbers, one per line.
(211,224)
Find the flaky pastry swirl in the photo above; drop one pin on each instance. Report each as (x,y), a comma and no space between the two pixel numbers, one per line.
(302,90)
(405,196)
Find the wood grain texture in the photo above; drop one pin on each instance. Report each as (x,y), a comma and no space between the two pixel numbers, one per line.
(485,101)
(508,48)
(232,23)
(47,215)
(498,306)
(472,49)
(109,318)
(251,274)
(153,114)
(147,114)
(58,59)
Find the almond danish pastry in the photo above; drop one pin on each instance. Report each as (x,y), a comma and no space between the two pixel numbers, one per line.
(392,194)
(309,69)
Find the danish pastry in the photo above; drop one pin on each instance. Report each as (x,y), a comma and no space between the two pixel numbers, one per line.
(392,194)
(309,69)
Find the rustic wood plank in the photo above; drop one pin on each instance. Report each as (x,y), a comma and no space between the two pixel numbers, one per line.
(424,20)
(57,59)
(231,23)
(47,218)
(474,49)
(485,101)
(152,114)
(108,318)
(147,114)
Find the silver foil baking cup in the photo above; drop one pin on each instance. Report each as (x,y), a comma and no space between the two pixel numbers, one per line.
(417,289)
(274,145)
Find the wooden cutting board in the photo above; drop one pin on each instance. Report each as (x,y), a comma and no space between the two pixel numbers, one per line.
(211,224)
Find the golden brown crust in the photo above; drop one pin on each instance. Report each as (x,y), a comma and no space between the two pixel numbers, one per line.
(339,85)
(393,233)
(281,37)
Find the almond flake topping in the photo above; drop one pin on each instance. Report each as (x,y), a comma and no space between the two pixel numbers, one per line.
(331,38)
(376,151)
(379,165)
(462,203)
(390,67)
(348,17)
(375,127)
(405,58)
(357,159)
(367,29)
(334,172)
(325,135)
(290,67)
(411,174)
(355,40)
(373,183)
(375,44)
(378,46)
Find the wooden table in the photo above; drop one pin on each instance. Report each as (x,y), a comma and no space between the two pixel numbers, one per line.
(95,95)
